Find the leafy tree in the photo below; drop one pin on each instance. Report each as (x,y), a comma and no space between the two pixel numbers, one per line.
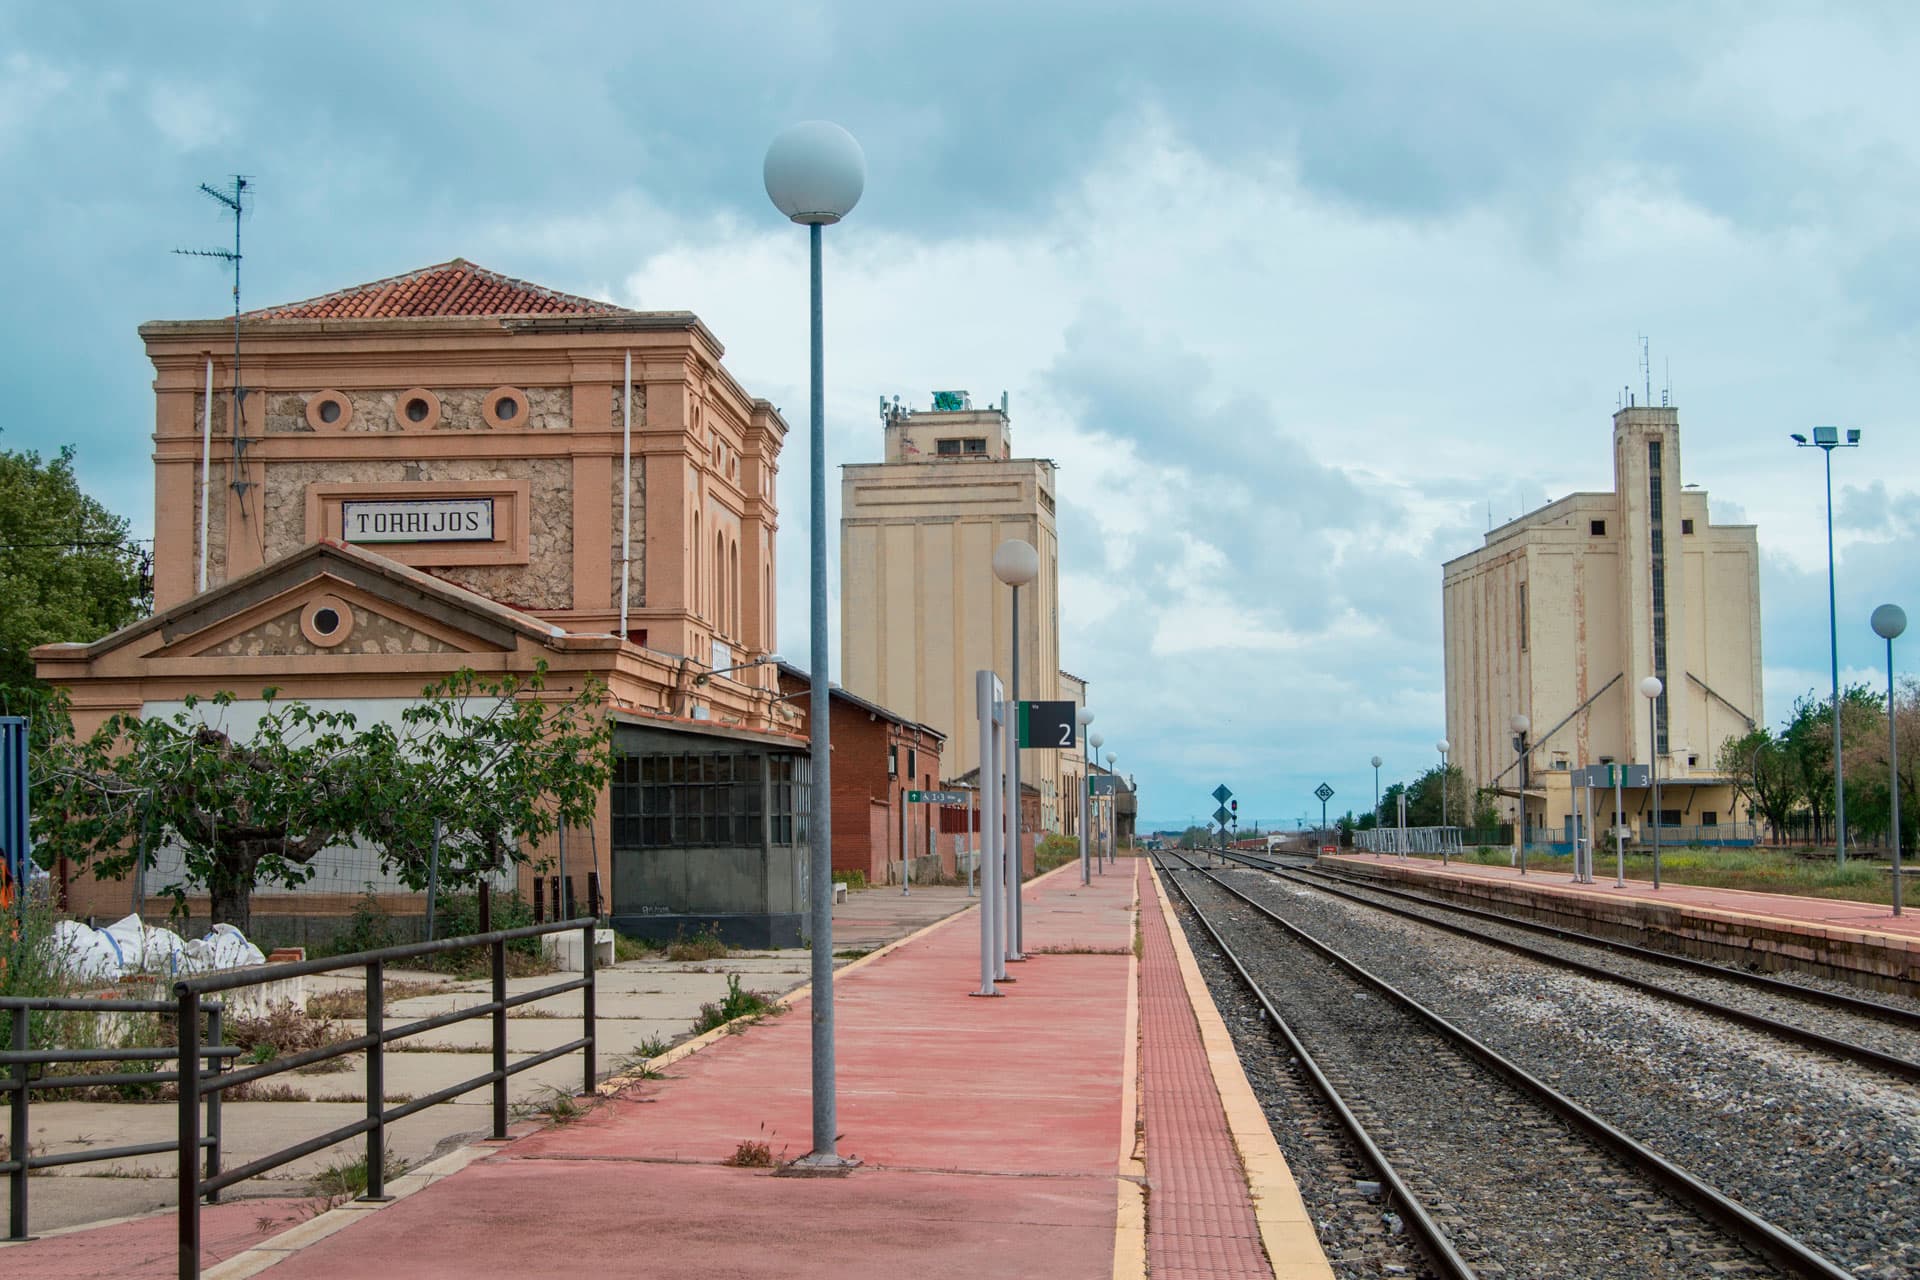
(1346,827)
(1430,789)
(1868,785)
(67,568)
(1486,810)
(493,764)
(243,811)
(1388,814)
(1808,741)
(1764,774)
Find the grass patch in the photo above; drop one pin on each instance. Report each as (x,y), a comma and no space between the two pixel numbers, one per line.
(737,1003)
(1055,851)
(751,1155)
(281,1031)
(856,880)
(625,949)
(557,1105)
(704,945)
(351,1002)
(342,1182)
(853,953)
(1759,870)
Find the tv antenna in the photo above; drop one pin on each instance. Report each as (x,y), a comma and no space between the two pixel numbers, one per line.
(234,199)
(1646,370)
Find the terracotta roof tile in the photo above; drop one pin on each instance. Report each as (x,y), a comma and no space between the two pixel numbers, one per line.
(457,288)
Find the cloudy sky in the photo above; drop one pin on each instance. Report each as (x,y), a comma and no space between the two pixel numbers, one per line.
(1295,294)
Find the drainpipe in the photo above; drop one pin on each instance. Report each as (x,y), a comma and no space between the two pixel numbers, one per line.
(206,471)
(626,494)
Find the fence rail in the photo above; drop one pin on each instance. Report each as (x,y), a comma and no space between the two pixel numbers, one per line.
(21,1060)
(1442,841)
(199,1057)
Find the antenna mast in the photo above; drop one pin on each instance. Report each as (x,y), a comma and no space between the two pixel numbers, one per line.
(235,201)
(1646,371)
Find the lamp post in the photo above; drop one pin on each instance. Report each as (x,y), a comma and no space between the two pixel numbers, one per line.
(1650,690)
(1376,792)
(1112,845)
(1889,620)
(1085,717)
(814,173)
(1827,439)
(1094,743)
(1443,746)
(1520,726)
(1015,563)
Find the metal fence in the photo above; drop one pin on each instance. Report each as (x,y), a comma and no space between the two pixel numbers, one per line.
(200,1077)
(1436,841)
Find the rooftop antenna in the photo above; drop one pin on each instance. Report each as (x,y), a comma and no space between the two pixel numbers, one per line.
(1666,392)
(235,201)
(1646,370)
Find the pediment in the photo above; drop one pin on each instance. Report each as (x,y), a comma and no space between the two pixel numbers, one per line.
(347,626)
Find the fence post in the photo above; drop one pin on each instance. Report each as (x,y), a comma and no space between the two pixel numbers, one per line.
(486,906)
(539,900)
(586,1002)
(216,1037)
(593,894)
(433,878)
(187,1032)
(377,1081)
(499,1038)
(17,1110)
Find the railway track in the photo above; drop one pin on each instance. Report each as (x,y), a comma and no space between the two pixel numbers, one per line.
(1709,988)
(1492,1169)
(1882,1036)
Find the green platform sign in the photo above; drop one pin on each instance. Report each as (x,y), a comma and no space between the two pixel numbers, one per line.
(1048,724)
(936,797)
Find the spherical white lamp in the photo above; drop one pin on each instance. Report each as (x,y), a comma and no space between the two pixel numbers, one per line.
(1889,621)
(1377,762)
(815,172)
(1084,716)
(1521,724)
(1443,746)
(1016,563)
(1651,687)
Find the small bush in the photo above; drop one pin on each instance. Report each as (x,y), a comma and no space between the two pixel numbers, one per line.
(625,949)
(704,945)
(855,880)
(1056,851)
(369,929)
(751,1155)
(460,915)
(738,1003)
(282,1031)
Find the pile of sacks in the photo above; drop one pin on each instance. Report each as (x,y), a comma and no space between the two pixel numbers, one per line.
(130,947)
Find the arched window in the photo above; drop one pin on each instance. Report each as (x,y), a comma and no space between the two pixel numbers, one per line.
(696,598)
(735,602)
(718,579)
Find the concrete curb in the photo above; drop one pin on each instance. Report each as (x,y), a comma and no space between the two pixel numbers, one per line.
(1286,1229)
(1130,1224)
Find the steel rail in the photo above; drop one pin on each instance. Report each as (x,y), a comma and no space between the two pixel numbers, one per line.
(1906,1068)
(1838,999)
(1433,1239)
(1756,1232)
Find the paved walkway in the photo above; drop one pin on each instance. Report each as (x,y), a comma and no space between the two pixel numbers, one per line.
(998,1138)
(1819,913)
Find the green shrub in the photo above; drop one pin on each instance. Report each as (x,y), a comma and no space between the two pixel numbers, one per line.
(369,929)
(459,915)
(854,880)
(704,945)
(738,1003)
(1055,851)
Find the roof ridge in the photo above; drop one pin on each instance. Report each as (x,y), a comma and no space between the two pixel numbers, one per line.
(456,287)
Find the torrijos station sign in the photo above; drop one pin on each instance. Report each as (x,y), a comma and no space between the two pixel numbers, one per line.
(418,520)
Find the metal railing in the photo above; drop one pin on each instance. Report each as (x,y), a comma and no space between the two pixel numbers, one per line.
(21,1060)
(194,1185)
(1406,840)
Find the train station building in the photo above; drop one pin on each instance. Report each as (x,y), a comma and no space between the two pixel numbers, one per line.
(1561,613)
(452,468)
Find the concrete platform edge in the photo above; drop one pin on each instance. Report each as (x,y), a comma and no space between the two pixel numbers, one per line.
(1130,1224)
(1286,1228)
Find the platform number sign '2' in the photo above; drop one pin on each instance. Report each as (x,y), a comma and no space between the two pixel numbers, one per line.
(1047,724)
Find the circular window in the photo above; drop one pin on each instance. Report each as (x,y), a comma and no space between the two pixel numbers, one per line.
(504,407)
(326,621)
(329,411)
(416,409)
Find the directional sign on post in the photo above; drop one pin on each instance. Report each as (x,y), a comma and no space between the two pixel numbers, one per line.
(936,797)
(1102,784)
(1323,793)
(1221,815)
(1048,724)
(1221,795)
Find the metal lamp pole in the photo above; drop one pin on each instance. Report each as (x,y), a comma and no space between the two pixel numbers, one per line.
(1085,717)
(1650,690)
(1015,563)
(1094,743)
(1112,845)
(1889,620)
(1376,791)
(814,173)
(1827,439)
(1443,746)
(1520,726)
